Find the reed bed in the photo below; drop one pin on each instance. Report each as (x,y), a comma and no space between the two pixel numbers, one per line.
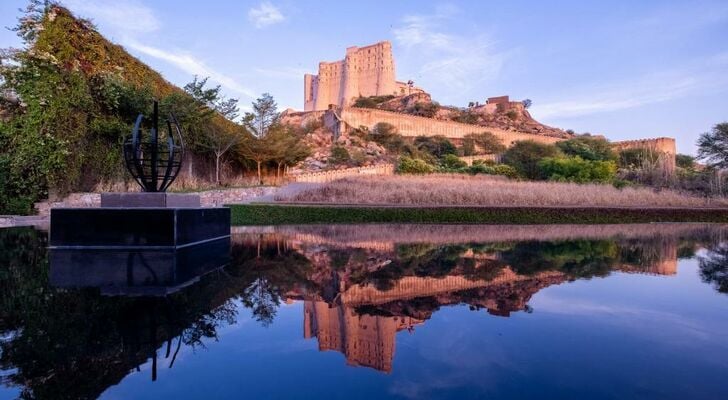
(464,190)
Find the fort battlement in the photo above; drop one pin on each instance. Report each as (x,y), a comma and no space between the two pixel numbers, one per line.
(412,126)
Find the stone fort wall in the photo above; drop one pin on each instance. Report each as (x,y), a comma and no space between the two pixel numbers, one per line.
(411,126)
(664,147)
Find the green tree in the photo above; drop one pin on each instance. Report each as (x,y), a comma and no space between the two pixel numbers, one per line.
(713,146)
(387,136)
(339,155)
(588,148)
(219,139)
(452,162)
(265,114)
(685,161)
(437,145)
(524,156)
(482,143)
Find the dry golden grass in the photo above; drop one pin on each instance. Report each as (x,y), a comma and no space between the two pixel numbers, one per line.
(351,235)
(465,190)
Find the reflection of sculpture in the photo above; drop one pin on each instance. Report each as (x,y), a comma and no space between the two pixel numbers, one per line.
(154,165)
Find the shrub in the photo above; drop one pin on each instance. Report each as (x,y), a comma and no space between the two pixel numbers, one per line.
(424,109)
(451,161)
(437,146)
(513,115)
(588,148)
(387,136)
(339,155)
(466,117)
(371,101)
(500,169)
(575,169)
(409,165)
(482,143)
(524,157)
(685,161)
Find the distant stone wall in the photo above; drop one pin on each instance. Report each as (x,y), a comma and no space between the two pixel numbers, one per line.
(328,176)
(487,157)
(663,146)
(411,126)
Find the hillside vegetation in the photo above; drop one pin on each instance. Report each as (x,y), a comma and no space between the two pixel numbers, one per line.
(67,100)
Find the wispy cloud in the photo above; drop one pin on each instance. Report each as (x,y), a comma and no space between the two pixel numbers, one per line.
(123,16)
(282,72)
(265,14)
(191,65)
(705,76)
(457,62)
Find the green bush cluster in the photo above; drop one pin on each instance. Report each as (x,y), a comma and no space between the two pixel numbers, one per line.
(407,165)
(575,169)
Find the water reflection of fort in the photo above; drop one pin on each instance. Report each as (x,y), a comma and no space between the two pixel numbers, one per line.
(360,319)
(359,286)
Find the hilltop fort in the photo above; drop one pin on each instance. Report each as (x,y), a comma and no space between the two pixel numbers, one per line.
(361,90)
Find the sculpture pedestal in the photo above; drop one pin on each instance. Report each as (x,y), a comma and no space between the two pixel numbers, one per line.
(139,221)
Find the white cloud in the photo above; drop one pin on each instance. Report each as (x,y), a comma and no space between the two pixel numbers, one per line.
(704,76)
(192,65)
(264,15)
(123,16)
(282,72)
(457,62)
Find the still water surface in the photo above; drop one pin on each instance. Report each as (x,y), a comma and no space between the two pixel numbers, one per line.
(363,312)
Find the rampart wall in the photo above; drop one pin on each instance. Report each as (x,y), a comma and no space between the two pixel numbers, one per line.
(332,175)
(664,147)
(411,126)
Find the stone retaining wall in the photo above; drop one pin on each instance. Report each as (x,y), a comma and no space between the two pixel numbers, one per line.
(328,176)
(209,198)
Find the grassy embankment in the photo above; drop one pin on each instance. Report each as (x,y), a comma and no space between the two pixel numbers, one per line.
(478,200)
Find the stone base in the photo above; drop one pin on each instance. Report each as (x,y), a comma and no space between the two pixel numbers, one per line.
(137,228)
(136,272)
(144,199)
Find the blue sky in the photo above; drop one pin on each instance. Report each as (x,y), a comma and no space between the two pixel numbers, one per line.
(625,69)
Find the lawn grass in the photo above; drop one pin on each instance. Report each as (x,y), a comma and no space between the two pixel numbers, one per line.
(279,214)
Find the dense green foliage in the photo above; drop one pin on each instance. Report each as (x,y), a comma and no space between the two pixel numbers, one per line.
(407,165)
(685,161)
(525,156)
(386,135)
(590,148)
(437,146)
(482,143)
(79,95)
(575,169)
(260,214)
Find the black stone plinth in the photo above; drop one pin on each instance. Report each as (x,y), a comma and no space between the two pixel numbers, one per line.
(146,200)
(136,272)
(137,228)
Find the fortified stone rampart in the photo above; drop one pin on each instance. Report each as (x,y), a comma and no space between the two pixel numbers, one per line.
(412,126)
(332,175)
(664,148)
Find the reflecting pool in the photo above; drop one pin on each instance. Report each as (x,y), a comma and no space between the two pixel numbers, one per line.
(373,311)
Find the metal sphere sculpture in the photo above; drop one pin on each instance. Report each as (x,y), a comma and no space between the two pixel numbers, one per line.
(154,162)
